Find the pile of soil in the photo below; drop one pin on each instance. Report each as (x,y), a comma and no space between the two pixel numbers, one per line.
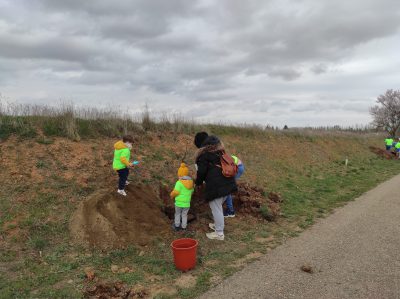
(109,220)
(247,201)
(250,199)
(382,153)
(114,290)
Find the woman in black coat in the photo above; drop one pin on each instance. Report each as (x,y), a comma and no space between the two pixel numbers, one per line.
(218,187)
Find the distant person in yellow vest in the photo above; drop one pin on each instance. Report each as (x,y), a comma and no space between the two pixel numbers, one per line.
(230,211)
(388,143)
(397,148)
(122,155)
(182,193)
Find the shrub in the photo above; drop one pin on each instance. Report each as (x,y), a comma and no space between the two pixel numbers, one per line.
(16,125)
(265,213)
(52,127)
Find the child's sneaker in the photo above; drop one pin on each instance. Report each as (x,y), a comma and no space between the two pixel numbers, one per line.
(212,226)
(215,236)
(175,228)
(229,214)
(127,183)
(122,192)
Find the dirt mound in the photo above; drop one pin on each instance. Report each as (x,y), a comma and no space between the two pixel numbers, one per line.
(115,290)
(108,220)
(250,199)
(382,153)
(247,201)
(274,206)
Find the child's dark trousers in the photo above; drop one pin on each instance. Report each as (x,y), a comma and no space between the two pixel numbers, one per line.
(123,176)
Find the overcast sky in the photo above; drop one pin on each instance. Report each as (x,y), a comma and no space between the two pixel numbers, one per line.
(294,62)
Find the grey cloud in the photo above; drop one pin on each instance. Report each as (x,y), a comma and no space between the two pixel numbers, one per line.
(266,54)
(326,33)
(285,73)
(349,105)
(95,78)
(319,69)
(280,103)
(121,7)
(71,49)
(131,29)
(129,20)
(309,107)
(170,44)
(356,106)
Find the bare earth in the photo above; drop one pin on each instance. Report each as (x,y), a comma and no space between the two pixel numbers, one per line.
(354,253)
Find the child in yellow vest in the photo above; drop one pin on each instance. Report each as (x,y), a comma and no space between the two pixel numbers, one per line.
(182,193)
(389,143)
(230,212)
(121,164)
(397,149)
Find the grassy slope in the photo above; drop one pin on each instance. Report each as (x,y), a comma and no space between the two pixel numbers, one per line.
(43,179)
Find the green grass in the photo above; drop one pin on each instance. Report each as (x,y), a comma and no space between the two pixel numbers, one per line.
(42,262)
(202,284)
(328,189)
(20,126)
(306,198)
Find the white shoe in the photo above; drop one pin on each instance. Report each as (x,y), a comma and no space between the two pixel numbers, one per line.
(122,192)
(212,226)
(127,183)
(215,236)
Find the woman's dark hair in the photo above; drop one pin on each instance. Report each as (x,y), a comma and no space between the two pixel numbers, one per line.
(211,140)
(128,138)
(199,139)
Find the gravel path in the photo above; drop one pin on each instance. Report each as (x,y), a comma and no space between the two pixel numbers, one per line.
(355,253)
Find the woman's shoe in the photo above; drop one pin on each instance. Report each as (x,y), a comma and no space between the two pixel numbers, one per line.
(215,236)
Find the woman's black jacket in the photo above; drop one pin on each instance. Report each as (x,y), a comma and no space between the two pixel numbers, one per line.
(209,171)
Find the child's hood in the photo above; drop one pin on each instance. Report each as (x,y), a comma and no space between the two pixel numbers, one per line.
(119,145)
(187,182)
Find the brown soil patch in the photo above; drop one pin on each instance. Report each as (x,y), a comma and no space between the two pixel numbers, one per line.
(382,153)
(211,263)
(274,206)
(116,290)
(161,289)
(265,240)
(109,220)
(247,201)
(186,281)
(307,268)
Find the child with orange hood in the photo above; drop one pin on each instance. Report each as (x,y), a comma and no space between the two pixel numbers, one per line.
(121,164)
(182,193)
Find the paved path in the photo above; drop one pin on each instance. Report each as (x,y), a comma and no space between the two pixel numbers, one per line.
(355,253)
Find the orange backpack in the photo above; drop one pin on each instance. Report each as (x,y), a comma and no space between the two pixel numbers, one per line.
(229,168)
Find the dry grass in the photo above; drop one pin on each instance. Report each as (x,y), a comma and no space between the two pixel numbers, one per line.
(65,120)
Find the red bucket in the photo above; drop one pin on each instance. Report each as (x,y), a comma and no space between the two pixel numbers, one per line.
(185,252)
